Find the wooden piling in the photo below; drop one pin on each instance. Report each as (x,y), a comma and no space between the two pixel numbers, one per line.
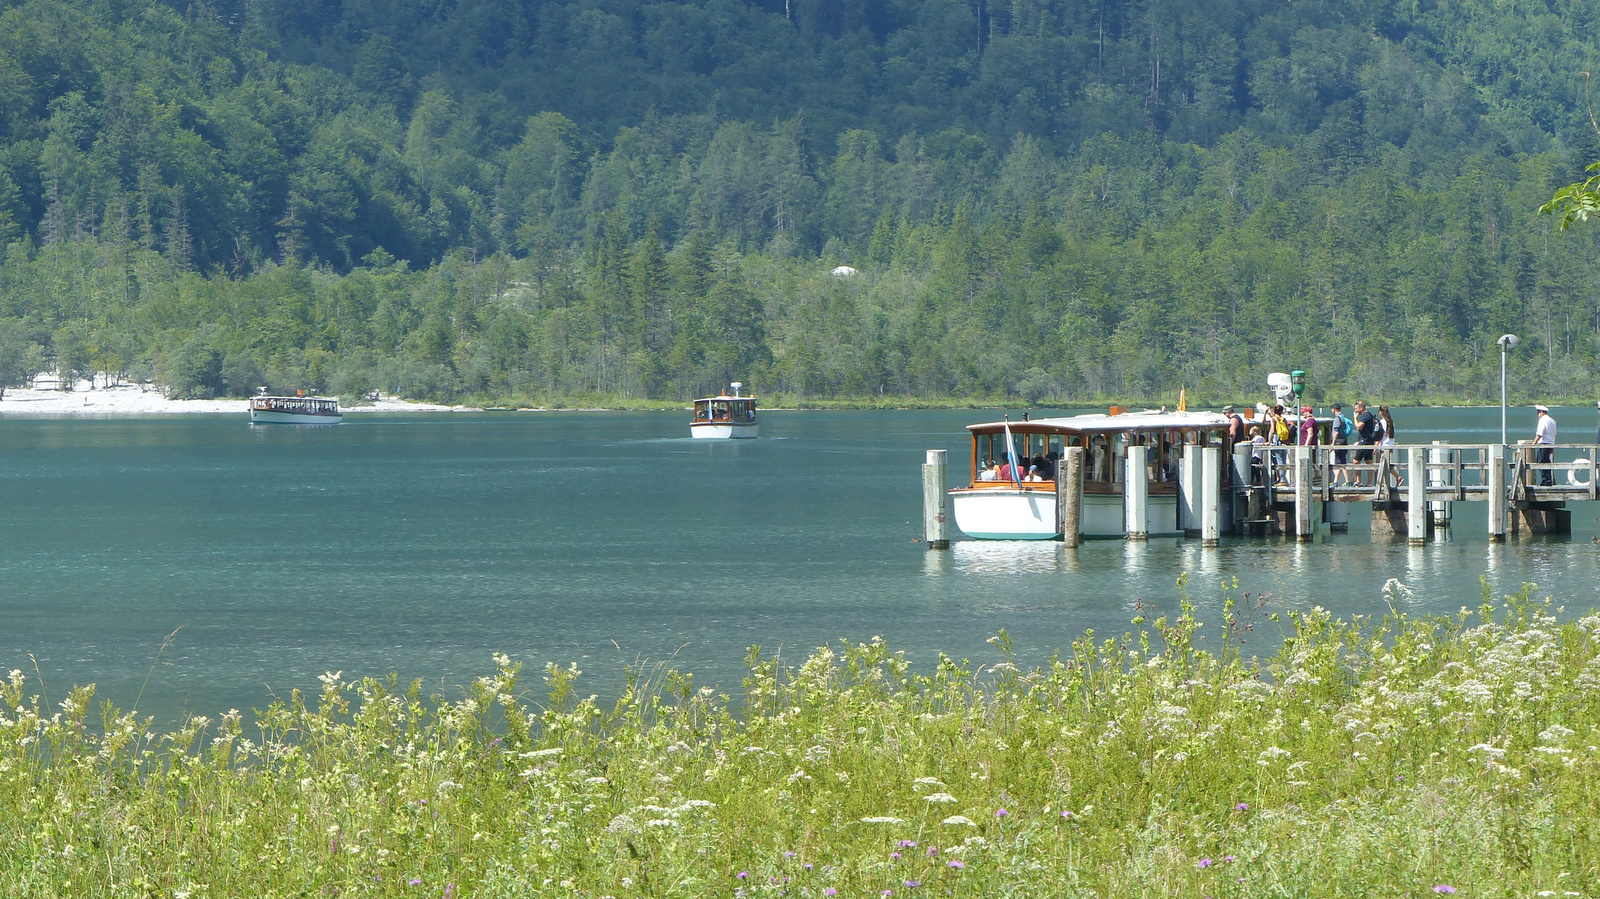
(1495,477)
(935,523)
(1210,495)
(1069,497)
(1302,493)
(1417,517)
(1241,511)
(1136,494)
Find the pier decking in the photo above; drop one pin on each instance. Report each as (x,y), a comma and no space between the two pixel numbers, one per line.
(1409,489)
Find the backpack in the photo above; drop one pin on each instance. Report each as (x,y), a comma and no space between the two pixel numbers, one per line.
(1283,431)
(1346,429)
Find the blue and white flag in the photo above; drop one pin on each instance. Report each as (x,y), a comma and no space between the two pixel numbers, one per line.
(1011,455)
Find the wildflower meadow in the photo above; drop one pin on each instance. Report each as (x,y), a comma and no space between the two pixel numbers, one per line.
(1384,756)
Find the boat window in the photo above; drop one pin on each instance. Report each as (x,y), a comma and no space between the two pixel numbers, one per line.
(1101,465)
(1119,455)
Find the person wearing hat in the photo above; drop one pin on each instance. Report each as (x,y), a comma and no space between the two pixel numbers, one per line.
(1544,437)
(1308,428)
(1236,425)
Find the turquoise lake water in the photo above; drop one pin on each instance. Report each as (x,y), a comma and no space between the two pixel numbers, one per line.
(422,544)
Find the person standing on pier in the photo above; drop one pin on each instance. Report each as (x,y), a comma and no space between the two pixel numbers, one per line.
(1544,437)
(1340,436)
(1366,436)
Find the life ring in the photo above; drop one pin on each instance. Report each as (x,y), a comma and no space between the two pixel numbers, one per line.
(1572,474)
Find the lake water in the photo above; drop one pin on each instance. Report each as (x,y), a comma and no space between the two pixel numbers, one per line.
(423,544)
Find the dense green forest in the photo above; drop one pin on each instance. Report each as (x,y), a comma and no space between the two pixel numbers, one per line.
(1044,201)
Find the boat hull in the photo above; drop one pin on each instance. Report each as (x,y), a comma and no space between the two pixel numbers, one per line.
(724,431)
(266,417)
(994,513)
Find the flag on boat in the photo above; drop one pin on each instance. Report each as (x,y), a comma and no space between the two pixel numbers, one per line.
(1011,454)
(1183,404)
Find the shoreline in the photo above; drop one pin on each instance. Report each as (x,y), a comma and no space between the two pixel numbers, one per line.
(131,399)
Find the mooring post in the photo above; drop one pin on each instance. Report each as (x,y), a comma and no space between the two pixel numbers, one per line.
(1069,497)
(1189,491)
(1210,495)
(1495,477)
(1416,496)
(1302,493)
(935,523)
(1240,513)
(1439,455)
(1136,494)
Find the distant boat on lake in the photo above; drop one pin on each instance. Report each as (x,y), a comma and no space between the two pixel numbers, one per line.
(295,410)
(725,417)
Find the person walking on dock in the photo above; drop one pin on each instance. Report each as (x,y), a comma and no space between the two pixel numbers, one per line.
(1340,436)
(1544,437)
(1366,436)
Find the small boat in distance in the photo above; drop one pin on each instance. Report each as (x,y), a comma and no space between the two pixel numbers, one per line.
(295,410)
(724,417)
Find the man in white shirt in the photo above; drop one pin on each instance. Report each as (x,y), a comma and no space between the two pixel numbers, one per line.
(1544,437)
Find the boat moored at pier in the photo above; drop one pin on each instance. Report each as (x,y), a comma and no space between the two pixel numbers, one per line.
(295,410)
(725,417)
(1012,493)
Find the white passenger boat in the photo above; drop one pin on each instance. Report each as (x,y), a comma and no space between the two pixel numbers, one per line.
(1003,503)
(295,410)
(724,417)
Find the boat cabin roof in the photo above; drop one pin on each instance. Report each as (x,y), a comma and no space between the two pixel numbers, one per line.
(1149,420)
(725,399)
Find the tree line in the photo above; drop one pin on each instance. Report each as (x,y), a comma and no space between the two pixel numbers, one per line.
(632,201)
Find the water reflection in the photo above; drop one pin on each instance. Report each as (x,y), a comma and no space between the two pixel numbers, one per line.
(1006,556)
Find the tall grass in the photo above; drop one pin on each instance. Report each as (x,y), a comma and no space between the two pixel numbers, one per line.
(1371,757)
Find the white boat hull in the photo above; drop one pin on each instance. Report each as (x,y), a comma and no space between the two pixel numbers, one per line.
(265,417)
(724,431)
(1011,514)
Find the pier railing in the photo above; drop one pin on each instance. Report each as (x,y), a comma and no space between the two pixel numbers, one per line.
(1453,472)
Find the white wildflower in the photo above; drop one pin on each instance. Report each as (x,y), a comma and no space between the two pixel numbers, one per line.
(542,753)
(926,783)
(938,797)
(960,819)
(881,819)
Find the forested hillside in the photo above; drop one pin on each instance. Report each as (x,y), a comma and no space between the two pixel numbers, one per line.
(1046,201)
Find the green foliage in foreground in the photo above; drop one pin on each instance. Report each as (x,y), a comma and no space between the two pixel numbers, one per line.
(1372,757)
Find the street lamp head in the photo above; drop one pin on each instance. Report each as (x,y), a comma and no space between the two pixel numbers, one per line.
(1507,341)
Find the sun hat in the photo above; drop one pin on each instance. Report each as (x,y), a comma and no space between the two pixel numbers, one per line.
(1305,408)
(1546,409)
(1229,407)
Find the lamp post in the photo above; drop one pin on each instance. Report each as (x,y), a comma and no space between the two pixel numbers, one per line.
(1506,342)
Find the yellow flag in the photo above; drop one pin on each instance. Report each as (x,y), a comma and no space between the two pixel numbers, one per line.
(1183,404)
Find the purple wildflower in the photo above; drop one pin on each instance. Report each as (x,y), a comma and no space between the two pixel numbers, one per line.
(742,875)
(1242,807)
(807,866)
(913,884)
(830,891)
(789,854)
(907,844)
(1444,888)
(1001,813)
(1066,813)
(1229,858)
(894,855)
(956,863)
(449,890)
(933,850)
(416,881)
(1205,863)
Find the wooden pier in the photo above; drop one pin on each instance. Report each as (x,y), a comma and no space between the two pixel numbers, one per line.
(1410,490)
